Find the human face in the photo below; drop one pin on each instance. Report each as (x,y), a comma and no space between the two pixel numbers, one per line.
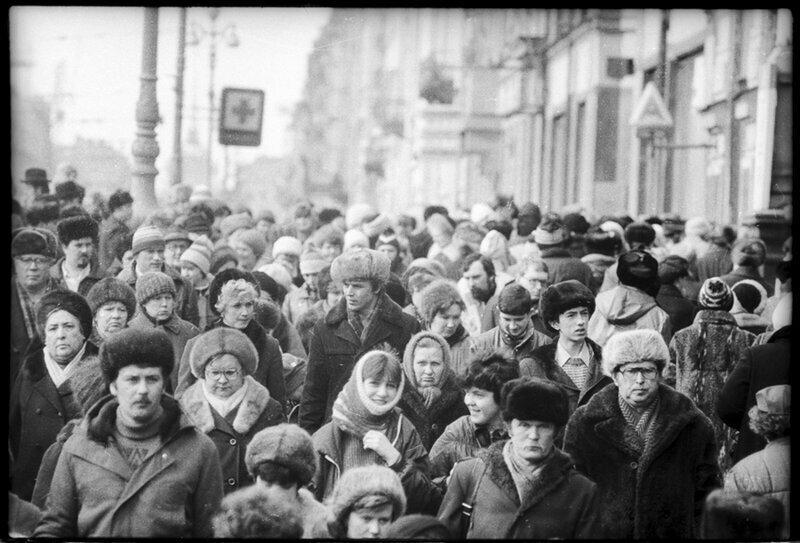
(359,295)
(330,251)
(428,365)
(247,258)
(446,322)
(515,326)
(63,337)
(369,523)
(224,376)
(173,251)
(191,272)
(476,276)
(138,390)
(124,213)
(311,280)
(238,313)
(532,439)
(160,307)
(32,271)
(535,280)
(150,259)
(389,250)
(440,237)
(637,390)
(571,324)
(110,317)
(380,391)
(334,293)
(483,410)
(78,253)
(304,224)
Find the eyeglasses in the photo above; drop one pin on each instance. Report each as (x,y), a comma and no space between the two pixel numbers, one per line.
(216,374)
(31,260)
(631,373)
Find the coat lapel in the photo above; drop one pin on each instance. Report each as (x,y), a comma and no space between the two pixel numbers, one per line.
(498,472)
(552,475)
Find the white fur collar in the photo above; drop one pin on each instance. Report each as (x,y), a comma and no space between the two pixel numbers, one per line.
(198,409)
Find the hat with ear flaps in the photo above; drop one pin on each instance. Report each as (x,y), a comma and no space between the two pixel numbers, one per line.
(363,264)
(634,346)
(77,227)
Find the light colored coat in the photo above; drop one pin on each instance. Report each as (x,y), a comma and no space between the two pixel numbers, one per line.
(626,308)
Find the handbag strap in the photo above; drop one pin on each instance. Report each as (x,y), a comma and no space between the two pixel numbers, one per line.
(467,506)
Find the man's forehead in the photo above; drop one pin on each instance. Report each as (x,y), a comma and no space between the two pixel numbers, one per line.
(135,369)
(644,364)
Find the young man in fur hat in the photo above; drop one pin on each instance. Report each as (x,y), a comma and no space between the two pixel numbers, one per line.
(364,318)
(650,450)
(524,487)
(78,270)
(135,466)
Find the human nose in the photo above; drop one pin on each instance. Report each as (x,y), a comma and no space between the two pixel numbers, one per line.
(374,527)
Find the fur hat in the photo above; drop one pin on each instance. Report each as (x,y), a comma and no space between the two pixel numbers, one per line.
(741,516)
(286,445)
(514,299)
(672,268)
(749,252)
(288,245)
(253,512)
(148,347)
(639,234)
(419,527)
(354,238)
(634,346)
(252,238)
(222,340)
(147,237)
(231,274)
(433,267)
(232,223)
(563,296)
(751,296)
(357,214)
(199,254)
(118,199)
(267,314)
(86,382)
(377,225)
(328,233)
(576,223)
(530,398)
(551,230)
(361,264)
(311,262)
(78,227)
(480,213)
(67,300)
(220,256)
(111,289)
(280,274)
(638,269)
(698,226)
(439,222)
(152,284)
(33,241)
(438,296)
(361,482)
(715,294)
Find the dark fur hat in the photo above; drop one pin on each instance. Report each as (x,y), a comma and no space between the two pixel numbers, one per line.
(69,190)
(118,199)
(33,241)
(69,301)
(287,445)
(111,289)
(638,269)
(563,296)
(77,227)
(530,398)
(148,347)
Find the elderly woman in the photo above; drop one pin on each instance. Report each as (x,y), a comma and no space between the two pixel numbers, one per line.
(226,402)
(524,487)
(433,397)
(233,295)
(440,308)
(113,304)
(41,398)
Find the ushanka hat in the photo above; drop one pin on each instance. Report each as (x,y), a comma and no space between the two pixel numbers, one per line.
(147,347)
(286,445)
(563,296)
(77,227)
(66,300)
(634,346)
(218,341)
(69,190)
(118,199)
(715,294)
(111,289)
(638,269)
(33,241)
(361,264)
(530,398)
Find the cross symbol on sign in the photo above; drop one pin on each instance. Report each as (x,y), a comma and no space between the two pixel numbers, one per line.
(243,110)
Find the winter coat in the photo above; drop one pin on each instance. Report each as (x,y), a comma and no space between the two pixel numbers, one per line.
(716,262)
(746,272)
(701,359)
(179,332)
(48,464)
(680,310)
(95,274)
(561,266)
(493,341)
(288,338)
(431,421)
(95,493)
(231,434)
(759,367)
(38,412)
(269,371)
(751,322)
(19,332)
(562,503)
(413,466)
(112,236)
(766,472)
(461,439)
(335,348)
(460,350)
(655,493)
(185,297)
(23,516)
(626,308)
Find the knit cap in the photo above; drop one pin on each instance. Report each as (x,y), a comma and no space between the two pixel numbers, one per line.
(197,223)
(232,223)
(111,289)
(715,294)
(147,238)
(550,231)
(175,233)
(220,256)
(775,400)
(252,238)
(361,264)
(353,239)
(218,341)
(364,481)
(152,284)
(311,262)
(286,445)
(751,295)
(199,254)
(287,245)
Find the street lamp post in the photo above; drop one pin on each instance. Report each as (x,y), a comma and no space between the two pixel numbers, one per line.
(198,32)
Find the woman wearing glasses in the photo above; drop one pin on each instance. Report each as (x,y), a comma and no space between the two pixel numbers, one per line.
(226,402)
(650,450)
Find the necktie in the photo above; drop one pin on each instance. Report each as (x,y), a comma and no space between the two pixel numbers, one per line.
(578,371)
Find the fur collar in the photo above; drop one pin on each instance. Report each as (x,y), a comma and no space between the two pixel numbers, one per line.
(255,400)
(714,316)
(553,474)
(387,310)
(101,419)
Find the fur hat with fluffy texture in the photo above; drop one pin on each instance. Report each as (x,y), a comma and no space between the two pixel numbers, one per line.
(78,227)
(67,300)
(440,295)
(638,269)
(364,481)
(33,241)
(218,341)
(530,398)
(86,382)
(118,199)
(111,289)
(361,264)
(147,347)
(252,238)
(253,512)
(634,346)
(563,296)
(287,245)
(286,445)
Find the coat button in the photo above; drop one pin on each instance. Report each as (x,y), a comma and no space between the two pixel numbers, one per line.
(38,411)
(232,441)
(634,465)
(232,481)
(59,413)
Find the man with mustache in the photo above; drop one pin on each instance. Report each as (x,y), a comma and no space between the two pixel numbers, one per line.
(78,270)
(479,286)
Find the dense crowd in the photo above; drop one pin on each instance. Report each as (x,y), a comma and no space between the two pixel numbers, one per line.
(211,371)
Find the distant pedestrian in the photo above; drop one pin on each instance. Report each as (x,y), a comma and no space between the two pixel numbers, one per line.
(253,513)
(748,256)
(741,516)
(114,230)
(113,305)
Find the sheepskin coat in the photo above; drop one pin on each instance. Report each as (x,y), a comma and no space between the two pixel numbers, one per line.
(702,357)
(561,504)
(658,492)
(231,434)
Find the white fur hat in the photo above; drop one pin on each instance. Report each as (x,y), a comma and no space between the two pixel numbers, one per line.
(634,346)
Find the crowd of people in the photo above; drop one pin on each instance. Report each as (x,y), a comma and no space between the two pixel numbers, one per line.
(211,371)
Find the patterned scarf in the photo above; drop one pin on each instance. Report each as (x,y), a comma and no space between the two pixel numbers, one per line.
(356,414)
(361,326)
(643,423)
(522,472)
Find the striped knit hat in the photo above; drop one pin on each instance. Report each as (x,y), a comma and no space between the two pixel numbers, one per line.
(199,254)
(715,294)
(147,237)
(151,284)
(550,231)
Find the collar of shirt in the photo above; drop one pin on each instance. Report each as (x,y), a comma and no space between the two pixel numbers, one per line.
(74,279)
(562,355)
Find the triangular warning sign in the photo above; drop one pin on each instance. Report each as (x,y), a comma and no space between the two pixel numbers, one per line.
(650,111)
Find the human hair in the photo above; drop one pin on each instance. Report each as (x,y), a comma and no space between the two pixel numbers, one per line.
(381,365)
(419,281)
(438,297)
(487,263)
(602,242)
(233,291)
(252,512)
(407,220)
(767,425)
(276,474)
(490,371)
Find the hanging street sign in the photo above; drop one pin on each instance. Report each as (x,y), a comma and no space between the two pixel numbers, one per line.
(650,114)
(241,118)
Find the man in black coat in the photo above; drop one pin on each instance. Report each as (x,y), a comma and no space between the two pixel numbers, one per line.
(671,271)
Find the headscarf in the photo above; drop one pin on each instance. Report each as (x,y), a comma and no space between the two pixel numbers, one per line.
(430,393)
